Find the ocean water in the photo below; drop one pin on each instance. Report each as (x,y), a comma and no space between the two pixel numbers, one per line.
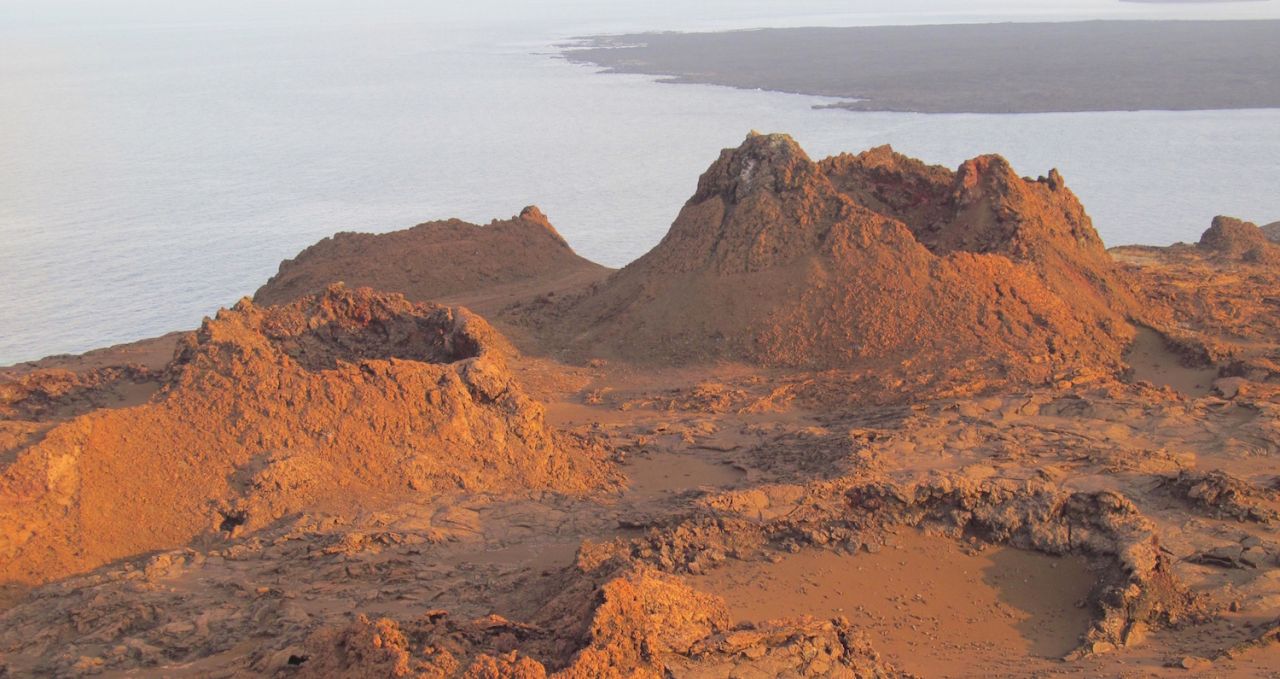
(160,159)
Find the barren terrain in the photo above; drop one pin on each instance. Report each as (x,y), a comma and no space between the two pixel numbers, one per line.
(855,417)
(973,68)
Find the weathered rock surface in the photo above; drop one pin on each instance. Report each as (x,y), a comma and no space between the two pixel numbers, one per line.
(646,624)
(860,260)
(355,484)
(265,411)
(1222,495)
(1235,239)
(57,392)
(1216,300)
(436,261)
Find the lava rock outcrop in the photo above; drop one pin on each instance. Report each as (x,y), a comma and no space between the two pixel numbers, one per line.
(1240,240)
(267,410)
(1216,299)
(875,259)
(641,623)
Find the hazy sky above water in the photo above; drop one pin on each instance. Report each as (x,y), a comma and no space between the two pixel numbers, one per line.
(161,158)
(574,16)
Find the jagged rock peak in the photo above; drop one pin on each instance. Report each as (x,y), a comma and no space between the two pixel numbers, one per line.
(866,258)
(984,172)
(773,162)
(1226,232)
(1055,180)
(1238,239)
(881,155)
(533,215)
(885,160)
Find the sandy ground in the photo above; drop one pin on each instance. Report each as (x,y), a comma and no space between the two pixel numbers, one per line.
(930,605)
(1153,361)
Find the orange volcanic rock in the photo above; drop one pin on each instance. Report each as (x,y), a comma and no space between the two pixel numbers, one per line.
(871,259)
(640,622)
(265,411)
(354,484)
(435,260)
(1235,239)
(1216,300)
(50,393)
(985,207)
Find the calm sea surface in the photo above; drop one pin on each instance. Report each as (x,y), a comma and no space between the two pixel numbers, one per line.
(157,161)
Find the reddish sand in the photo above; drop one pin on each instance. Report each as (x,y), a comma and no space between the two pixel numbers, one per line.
(1152,360)
(928,605)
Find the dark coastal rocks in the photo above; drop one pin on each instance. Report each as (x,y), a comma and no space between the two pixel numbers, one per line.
(1013,67)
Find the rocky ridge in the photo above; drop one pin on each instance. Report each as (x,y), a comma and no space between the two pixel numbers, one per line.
(873,259)
(1214,301)
(1235,239)
(354,483)
(435,261)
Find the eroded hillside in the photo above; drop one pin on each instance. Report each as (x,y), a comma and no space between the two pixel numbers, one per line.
(865,260)
(335,399)
(862,417)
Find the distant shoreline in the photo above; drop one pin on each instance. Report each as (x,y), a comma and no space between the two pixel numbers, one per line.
(974,68)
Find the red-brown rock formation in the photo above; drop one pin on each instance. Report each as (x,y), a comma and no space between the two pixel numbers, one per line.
(354,484)
(435,261)
(1214,301)
(265,411)
(1235,239)
(869,259)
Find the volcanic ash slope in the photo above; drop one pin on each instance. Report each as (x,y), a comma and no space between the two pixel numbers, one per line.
(438,260)
(336,398)
(868,260)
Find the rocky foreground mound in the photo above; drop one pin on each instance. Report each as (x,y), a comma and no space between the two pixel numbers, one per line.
(435,260)
(267,410)
(868,260)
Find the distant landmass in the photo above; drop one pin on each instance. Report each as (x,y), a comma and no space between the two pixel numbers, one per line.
(974,68)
